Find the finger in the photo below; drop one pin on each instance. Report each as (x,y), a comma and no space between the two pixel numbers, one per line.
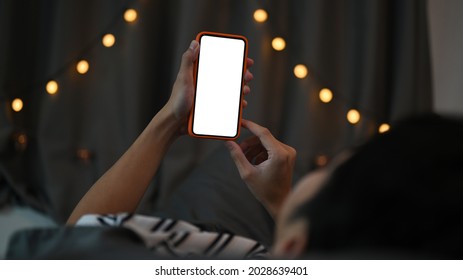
(266,138)
(244,103)
(246,90)
(194,47)
(249,62)
(189,57)
(248,76)
(241,162)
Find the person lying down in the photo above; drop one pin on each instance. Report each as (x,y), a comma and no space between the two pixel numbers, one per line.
(397,196)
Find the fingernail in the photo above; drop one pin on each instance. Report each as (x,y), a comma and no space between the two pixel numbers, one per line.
(193,45)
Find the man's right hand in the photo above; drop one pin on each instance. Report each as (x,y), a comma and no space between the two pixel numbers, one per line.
(266,166)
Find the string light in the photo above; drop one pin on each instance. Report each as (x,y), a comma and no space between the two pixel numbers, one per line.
(300,71)
(52,87)
(384,128)
(84,155)
(130,15)
(260,15)
(82,67)
(17,105)
(278,44)
(321,160)
(20,142)
(108,40)
(21,139)
(325,95)
(353,116)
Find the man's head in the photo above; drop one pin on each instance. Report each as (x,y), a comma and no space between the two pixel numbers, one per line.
(401,192)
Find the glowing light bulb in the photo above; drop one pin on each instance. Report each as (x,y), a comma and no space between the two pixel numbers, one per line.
(17,105)
(321,160)
(108,40)
(384,128)
(260,15)
(52,87)
(82,67)
(326,95)
(353,116)
(300,71)
(130,15)
(21,139)
(278,44)
(84,155)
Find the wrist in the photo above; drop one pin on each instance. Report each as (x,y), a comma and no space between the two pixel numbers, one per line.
(274,207)
(165,124)
(272,203)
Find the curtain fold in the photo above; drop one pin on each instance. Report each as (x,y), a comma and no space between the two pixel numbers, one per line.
(373,55)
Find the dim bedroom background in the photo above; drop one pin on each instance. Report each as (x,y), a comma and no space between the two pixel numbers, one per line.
(373,56)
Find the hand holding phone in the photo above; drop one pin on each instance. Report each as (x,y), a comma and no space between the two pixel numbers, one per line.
(219,77)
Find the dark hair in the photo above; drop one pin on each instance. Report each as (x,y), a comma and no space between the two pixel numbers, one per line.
(401,191)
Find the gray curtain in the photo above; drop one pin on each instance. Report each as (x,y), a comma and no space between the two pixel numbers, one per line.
(374,55)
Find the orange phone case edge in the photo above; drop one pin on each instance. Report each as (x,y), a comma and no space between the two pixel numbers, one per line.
(190,119)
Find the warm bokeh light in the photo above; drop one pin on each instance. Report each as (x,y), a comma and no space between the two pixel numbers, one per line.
(300,71)
(326,95)
(321,160)
(84,155)
(260,15)
(278,44)
(130,15)
(21,139)
(384,128)
(52,87)
(82,67)
(353,116)
(17,105)
(108,40)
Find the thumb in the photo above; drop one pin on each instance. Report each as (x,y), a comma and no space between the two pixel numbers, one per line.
(241,162)
(189,56)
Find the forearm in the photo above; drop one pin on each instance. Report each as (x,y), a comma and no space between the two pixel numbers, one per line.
(121,188)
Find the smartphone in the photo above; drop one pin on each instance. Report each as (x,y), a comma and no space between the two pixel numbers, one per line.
(219,78)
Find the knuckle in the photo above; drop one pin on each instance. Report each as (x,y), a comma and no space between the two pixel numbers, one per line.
(280,156)
(292,152)
(285,156)
(264,132)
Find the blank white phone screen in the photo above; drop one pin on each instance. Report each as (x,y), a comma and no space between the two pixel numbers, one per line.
(218,86)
